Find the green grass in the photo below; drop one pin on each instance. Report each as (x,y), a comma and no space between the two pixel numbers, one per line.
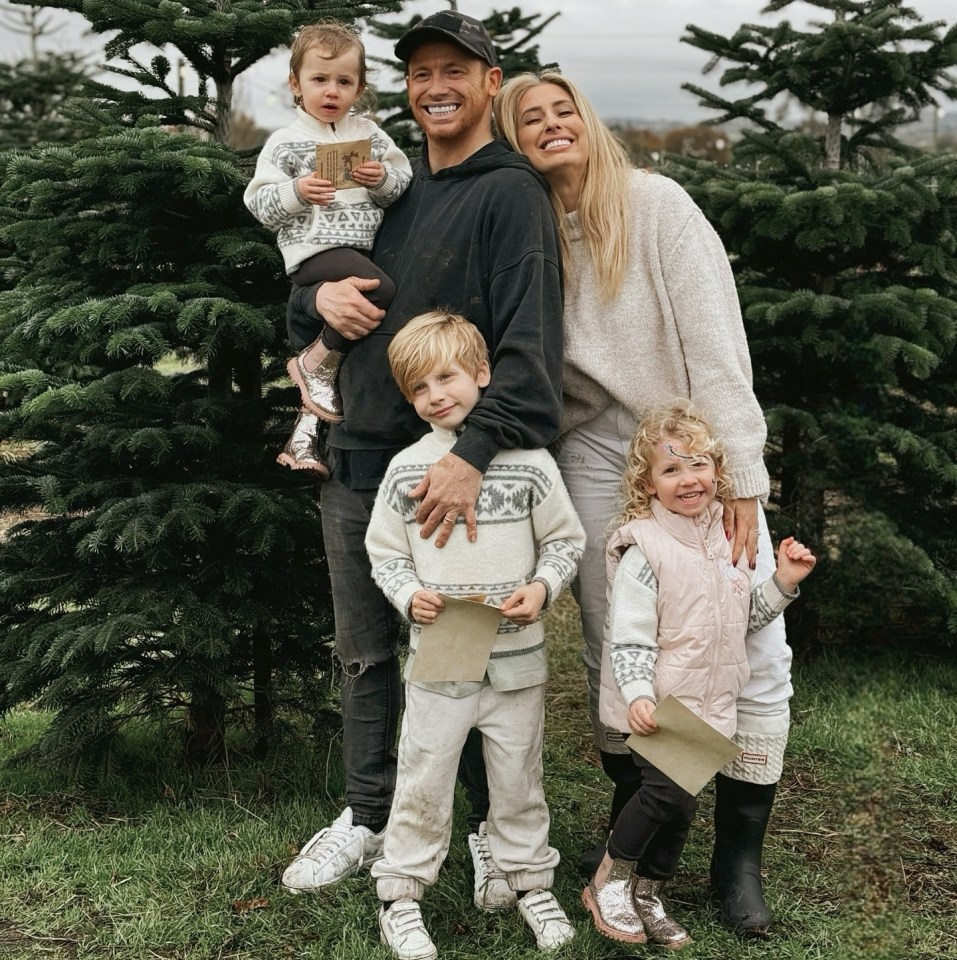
(160,862)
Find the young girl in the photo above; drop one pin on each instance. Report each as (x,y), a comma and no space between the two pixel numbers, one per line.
(677,618)
(321,231)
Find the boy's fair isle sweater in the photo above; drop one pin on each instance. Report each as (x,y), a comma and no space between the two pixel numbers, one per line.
(527,530)
(674,330)
(352,219)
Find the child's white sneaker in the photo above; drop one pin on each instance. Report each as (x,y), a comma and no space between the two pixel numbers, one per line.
(544,915)
(335,852)
(492,891)
(402,930)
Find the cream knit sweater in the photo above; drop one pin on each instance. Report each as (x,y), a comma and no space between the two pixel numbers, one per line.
(673,332)
(527,530)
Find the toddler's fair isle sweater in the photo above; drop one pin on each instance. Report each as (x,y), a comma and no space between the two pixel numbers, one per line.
(352,219)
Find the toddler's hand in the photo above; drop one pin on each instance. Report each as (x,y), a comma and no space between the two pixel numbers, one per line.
(426,606)
(314,190)
(639,717)
(369,174)
(795,562)
(525,604)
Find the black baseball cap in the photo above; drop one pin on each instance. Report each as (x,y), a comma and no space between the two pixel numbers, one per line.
(451,25)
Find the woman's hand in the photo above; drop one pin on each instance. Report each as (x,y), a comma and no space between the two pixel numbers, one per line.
(741,520)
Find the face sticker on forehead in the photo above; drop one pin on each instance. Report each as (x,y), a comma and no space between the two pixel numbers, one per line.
(667,448)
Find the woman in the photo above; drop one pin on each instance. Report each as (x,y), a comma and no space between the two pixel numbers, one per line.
(651,314)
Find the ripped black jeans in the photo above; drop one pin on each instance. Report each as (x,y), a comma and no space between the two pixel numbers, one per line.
(367,645)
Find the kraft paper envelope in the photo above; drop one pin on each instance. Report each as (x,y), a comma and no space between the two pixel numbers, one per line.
(458,644)
(685,748)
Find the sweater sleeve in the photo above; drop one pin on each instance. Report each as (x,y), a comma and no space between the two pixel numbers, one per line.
(700,286)
(398,170)
(633,626)
(559,536)
(768,601)
(272,196)
(387,543)
(522,406)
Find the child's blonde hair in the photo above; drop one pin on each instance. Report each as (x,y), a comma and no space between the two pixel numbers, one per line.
(435,339)
(334,37)
(680,422)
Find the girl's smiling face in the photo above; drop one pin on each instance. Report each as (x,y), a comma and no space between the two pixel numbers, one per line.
(683,481)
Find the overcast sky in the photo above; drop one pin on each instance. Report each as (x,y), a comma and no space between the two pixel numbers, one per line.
(625,54)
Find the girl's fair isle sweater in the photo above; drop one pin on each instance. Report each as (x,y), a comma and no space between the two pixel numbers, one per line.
(527,530)
(673,332)
(352,219)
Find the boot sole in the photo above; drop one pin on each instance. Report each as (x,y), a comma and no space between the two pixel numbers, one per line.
(603,928)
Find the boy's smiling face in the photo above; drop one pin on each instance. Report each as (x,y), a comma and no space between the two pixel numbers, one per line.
(447,394)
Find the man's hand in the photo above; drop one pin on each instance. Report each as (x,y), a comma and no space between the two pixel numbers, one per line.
(741,517)
(449,490)
(525,603)
(426,606)
(342,305)
(639,717)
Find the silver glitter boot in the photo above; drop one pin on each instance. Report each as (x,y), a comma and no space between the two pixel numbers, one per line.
(611,906)
(660,928)
(320,395)
(302,448)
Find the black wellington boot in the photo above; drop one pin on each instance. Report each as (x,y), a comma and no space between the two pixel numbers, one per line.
(741,812)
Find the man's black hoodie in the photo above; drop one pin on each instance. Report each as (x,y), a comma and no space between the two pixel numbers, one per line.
(479,239)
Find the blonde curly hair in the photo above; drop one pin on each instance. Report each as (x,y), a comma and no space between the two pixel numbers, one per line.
(680,422)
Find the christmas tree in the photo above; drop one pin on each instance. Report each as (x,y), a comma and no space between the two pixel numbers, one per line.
(844,245)
(174,570)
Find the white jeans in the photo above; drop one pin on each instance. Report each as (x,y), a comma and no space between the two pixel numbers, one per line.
(434,728)
(592,463)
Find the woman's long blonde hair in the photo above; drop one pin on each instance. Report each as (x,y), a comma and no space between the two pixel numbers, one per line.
(604,206)
(679,422)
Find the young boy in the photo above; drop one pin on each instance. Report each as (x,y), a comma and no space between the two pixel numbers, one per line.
(527,550)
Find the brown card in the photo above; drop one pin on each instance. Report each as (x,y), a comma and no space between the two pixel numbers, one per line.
(458,644)
(685,748)
(335,161)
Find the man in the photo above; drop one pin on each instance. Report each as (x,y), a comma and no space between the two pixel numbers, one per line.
(473,234)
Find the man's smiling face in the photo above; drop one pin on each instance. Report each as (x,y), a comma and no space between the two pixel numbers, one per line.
(450,91)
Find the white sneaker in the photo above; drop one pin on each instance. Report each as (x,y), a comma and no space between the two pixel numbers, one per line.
(402,930)
(332,854)
(547,920)
(492,891)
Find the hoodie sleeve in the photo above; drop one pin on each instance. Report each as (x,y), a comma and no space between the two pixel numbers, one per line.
(522,406)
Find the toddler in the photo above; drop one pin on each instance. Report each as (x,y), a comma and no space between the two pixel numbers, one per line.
(324,233)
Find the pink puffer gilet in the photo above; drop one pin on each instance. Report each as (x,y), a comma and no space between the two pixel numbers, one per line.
(703,604)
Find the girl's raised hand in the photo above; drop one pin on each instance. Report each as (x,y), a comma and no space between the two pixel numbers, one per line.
(795,562)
